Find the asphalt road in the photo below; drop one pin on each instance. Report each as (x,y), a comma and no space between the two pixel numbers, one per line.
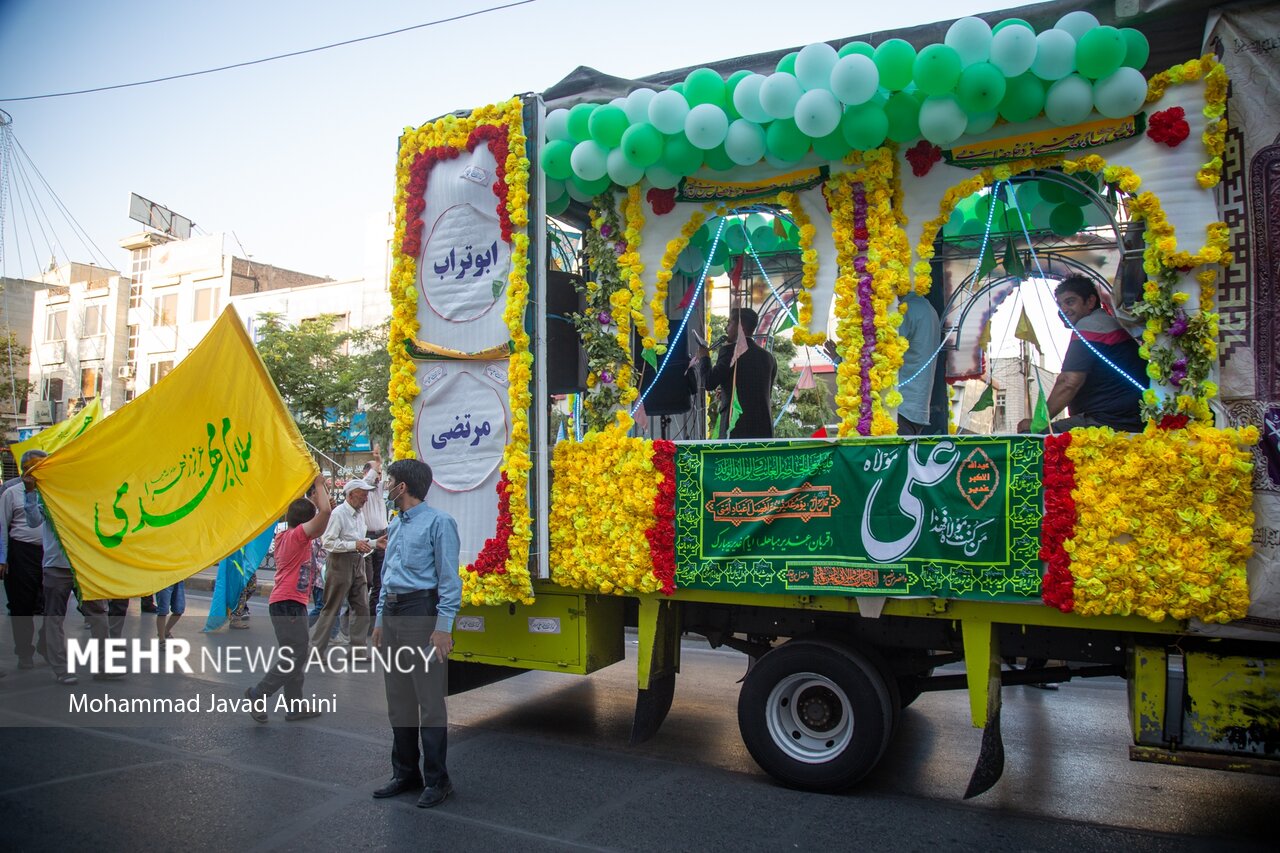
(541,761)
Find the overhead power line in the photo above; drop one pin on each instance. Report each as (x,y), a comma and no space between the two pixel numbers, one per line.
(271,58)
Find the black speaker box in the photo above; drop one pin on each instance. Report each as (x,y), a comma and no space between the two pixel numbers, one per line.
(673,393)
(566,362)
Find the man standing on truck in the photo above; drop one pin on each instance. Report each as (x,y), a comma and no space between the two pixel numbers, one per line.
(421,594)
(744,372)
(1103,374)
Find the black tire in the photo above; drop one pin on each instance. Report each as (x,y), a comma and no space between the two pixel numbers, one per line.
(815,716)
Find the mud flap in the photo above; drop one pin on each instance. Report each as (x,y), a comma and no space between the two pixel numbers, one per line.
(982,670)
(657,663)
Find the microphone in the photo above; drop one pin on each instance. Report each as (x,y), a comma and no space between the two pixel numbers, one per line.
(718,342)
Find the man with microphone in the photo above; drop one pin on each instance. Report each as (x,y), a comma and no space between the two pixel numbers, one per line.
(744,373)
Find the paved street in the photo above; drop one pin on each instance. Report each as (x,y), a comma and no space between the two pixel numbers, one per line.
(541,762)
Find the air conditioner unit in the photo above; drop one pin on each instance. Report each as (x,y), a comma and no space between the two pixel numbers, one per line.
(124,372)
(43,411)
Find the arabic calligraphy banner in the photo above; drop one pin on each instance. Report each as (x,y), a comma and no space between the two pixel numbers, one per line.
(182,476)
(60,433)
(947,516)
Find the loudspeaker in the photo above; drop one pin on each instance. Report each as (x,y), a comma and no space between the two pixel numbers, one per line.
(566,362)
(673,393)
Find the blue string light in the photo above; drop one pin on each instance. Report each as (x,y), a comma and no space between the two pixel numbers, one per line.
(684,321)
(1108,362)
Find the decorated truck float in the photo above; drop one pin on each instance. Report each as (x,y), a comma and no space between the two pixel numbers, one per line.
(555,257)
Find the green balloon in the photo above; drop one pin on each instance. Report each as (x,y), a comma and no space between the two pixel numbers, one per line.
(858,47)
(718,159)
(606,125)
(833,146)
(754,221)
(1089,179)
(559,206)
(591,188)
(764,239)
(730,86)
(1066,219)
(701,238)
(895,59)
(786,141)
(735,236)
(678,87)
(864,127)
(936,70)
(981,88)
(1076,197)
(555,159)
(721,254)
(580,122)
(1023,98)
(1011,22)
(903,113)
(788,62)
(704,86)
(642,145)
(1100,52)
(680,156)
(1137,48)
(1052,191)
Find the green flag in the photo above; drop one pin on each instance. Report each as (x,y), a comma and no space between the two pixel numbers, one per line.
(650,356)
(985,401)
(1013,261)
(1040,418)
(734,414)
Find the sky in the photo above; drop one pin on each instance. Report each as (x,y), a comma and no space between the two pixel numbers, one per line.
(297,156)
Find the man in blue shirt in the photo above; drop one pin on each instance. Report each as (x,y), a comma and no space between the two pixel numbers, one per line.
(421,594)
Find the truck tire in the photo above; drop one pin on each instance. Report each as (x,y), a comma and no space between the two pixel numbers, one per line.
(815,716)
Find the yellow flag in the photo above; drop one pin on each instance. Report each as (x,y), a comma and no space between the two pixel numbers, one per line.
(56,436)
(1024,331)
(179,478)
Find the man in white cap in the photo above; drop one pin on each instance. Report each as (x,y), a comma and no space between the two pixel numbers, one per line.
(346,539)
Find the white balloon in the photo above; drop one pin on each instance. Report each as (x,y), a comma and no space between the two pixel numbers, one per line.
(778,94)
(667,111)
(575,193)
(745,142)
(558,124)
(1069,101)
(637,105)
(854,79)
(1013,49)
(1055,55)
(941,120)
(1121,94)
(971,38)
(813,65)
(589,160)
(981,122)
(618,102)
(705,126)
(746,99)
(817,113)
(555,189)
(1076,23)
(622,171)
(661,177)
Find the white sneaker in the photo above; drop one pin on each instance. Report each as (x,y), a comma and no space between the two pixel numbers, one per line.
(343,639)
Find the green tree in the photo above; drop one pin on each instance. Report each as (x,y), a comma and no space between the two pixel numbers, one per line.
(14,385)
(326,375)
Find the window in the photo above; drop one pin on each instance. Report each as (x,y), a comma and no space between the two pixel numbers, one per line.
(51,389)
(160,370)
(90,381)
(131,354)
(95,319)
(55,325)
(206,304)
(141,263)
(166,310)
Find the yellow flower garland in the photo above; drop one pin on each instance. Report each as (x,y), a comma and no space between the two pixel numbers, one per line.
(515,583)
(1165,521)
(808,273)
(666,269)
(1215,96)
(602,499)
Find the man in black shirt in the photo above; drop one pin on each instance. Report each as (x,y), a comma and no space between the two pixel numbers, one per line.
(744,374)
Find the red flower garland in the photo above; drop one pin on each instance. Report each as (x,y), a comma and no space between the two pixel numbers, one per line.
(1174,421)
(662,536)
(425,161)
(1059,524)
(922,156)
(493,556)
(1169,126)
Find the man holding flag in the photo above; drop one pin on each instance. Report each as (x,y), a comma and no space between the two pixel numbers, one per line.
(744,372)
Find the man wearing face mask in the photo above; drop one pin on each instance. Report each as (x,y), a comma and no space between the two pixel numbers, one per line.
(421,594)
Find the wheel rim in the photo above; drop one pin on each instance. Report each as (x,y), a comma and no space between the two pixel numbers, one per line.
(809,717)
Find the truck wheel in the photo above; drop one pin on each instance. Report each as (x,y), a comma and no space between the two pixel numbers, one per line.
(815,716)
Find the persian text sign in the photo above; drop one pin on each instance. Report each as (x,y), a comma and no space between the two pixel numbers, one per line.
(953,517)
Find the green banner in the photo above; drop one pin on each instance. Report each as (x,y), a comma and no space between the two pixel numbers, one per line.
(939,516)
